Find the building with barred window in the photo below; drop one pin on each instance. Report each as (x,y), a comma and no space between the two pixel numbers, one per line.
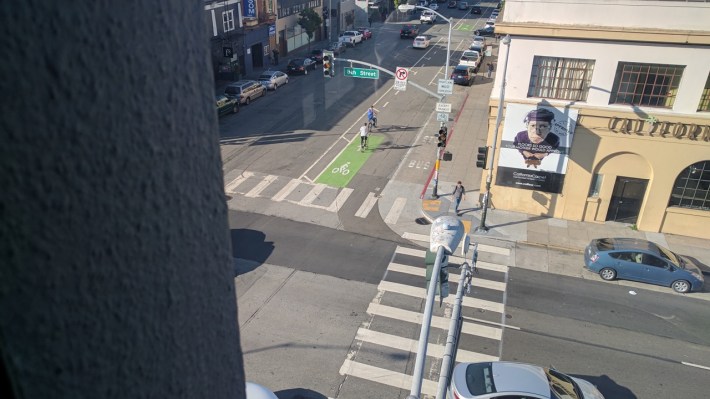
(606,113)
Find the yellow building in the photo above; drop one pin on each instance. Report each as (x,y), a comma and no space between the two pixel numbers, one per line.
(606,113)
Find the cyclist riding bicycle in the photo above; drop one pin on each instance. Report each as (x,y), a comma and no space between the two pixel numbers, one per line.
(372,115)
(363,135)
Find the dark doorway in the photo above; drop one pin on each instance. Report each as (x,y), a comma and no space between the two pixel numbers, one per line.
(257,55)
(626,199)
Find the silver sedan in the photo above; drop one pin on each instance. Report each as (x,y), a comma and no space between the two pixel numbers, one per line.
(273,79)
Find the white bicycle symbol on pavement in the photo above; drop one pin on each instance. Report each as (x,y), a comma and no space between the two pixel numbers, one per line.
(343,169)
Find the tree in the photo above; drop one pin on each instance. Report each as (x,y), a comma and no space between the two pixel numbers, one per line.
(309,21)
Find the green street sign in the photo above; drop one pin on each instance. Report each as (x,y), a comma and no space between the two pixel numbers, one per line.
(362,73)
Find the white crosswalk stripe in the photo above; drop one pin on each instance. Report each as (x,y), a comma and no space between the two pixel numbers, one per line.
(396,314)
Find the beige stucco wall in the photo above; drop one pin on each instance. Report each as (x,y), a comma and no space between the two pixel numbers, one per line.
(598,150)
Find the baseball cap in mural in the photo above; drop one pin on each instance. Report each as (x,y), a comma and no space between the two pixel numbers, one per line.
(539,114)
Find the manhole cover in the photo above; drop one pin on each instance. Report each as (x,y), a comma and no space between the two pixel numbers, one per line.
(421,221)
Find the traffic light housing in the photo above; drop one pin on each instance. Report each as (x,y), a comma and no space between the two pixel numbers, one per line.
(328,69)
(482,157)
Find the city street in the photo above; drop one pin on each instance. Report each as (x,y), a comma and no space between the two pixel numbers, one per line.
(329,248)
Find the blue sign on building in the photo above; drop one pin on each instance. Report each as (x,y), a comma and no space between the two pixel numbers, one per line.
(249,8)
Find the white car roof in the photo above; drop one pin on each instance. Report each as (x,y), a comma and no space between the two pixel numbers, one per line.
(420,38)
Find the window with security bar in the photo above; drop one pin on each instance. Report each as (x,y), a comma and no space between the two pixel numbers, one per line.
(653,85)
(692,187)
(560,78)
(705,98)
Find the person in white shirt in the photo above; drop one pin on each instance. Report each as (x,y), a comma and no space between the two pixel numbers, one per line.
(363,135)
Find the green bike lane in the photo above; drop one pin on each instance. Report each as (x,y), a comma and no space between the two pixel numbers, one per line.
(346,165)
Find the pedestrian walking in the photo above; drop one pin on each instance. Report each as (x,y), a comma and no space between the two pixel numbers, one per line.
(459,193)
(490,69)
(369,20)
(276,56)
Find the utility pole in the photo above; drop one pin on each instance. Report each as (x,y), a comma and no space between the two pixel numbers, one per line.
(489,178)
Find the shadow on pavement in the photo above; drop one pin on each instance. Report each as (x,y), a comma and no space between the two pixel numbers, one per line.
(299,393)
(251,245)
(608,387)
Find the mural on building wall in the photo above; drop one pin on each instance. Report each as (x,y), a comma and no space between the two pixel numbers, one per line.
(535,147)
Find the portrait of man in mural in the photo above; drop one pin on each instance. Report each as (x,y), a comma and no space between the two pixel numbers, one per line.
(536,141)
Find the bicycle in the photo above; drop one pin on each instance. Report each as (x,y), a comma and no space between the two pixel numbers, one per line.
(371,123)
(363,143)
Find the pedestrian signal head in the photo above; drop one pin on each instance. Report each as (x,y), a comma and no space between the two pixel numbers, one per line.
(328,58)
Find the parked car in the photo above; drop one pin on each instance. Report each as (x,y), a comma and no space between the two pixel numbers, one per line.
(226,105)
(463,75)
(300,65)
(366,32)
(273,79)
(479,41)
(351,37)
(317,55)
(337,48)
(517,380)
(480,50)
(486,31)
(491,22)
(644,261)
(245,91)
(463,5)
(434,6)
(470,58)
(409,31)
(421,42)
(475,10)
(452,4)
(428,17)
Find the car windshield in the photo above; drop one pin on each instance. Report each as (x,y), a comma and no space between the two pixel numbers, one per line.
(265,77)
(479,378)
(669,255)
(562,385)
(232,90)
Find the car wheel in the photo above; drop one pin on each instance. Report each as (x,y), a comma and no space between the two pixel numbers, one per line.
(681,286)
(235,109)
(247,101)
(275,86)
(607,274)
(305,71)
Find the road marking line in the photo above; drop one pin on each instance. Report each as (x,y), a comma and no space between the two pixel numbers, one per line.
(367,205)
(416,237)
(418,292)
(267,180)
(420,271)
(410,345)
(695,365)
(288,189)
(436,321)
(396,210)
(339,200)
(494,249)
(229,189)
(384,376)
(313,194)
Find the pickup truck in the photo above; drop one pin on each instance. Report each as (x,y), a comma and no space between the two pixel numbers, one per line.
(428,17)
(470,58)
(351,37)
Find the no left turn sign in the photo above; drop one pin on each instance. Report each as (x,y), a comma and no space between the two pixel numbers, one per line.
(401,74)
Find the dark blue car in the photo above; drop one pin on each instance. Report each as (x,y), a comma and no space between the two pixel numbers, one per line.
(644,261)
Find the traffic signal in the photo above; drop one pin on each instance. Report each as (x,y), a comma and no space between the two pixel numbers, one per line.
(482,157)
(328,70)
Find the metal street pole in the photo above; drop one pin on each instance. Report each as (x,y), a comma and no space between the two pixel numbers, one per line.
(407,7)
(486,197)
(446,234)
